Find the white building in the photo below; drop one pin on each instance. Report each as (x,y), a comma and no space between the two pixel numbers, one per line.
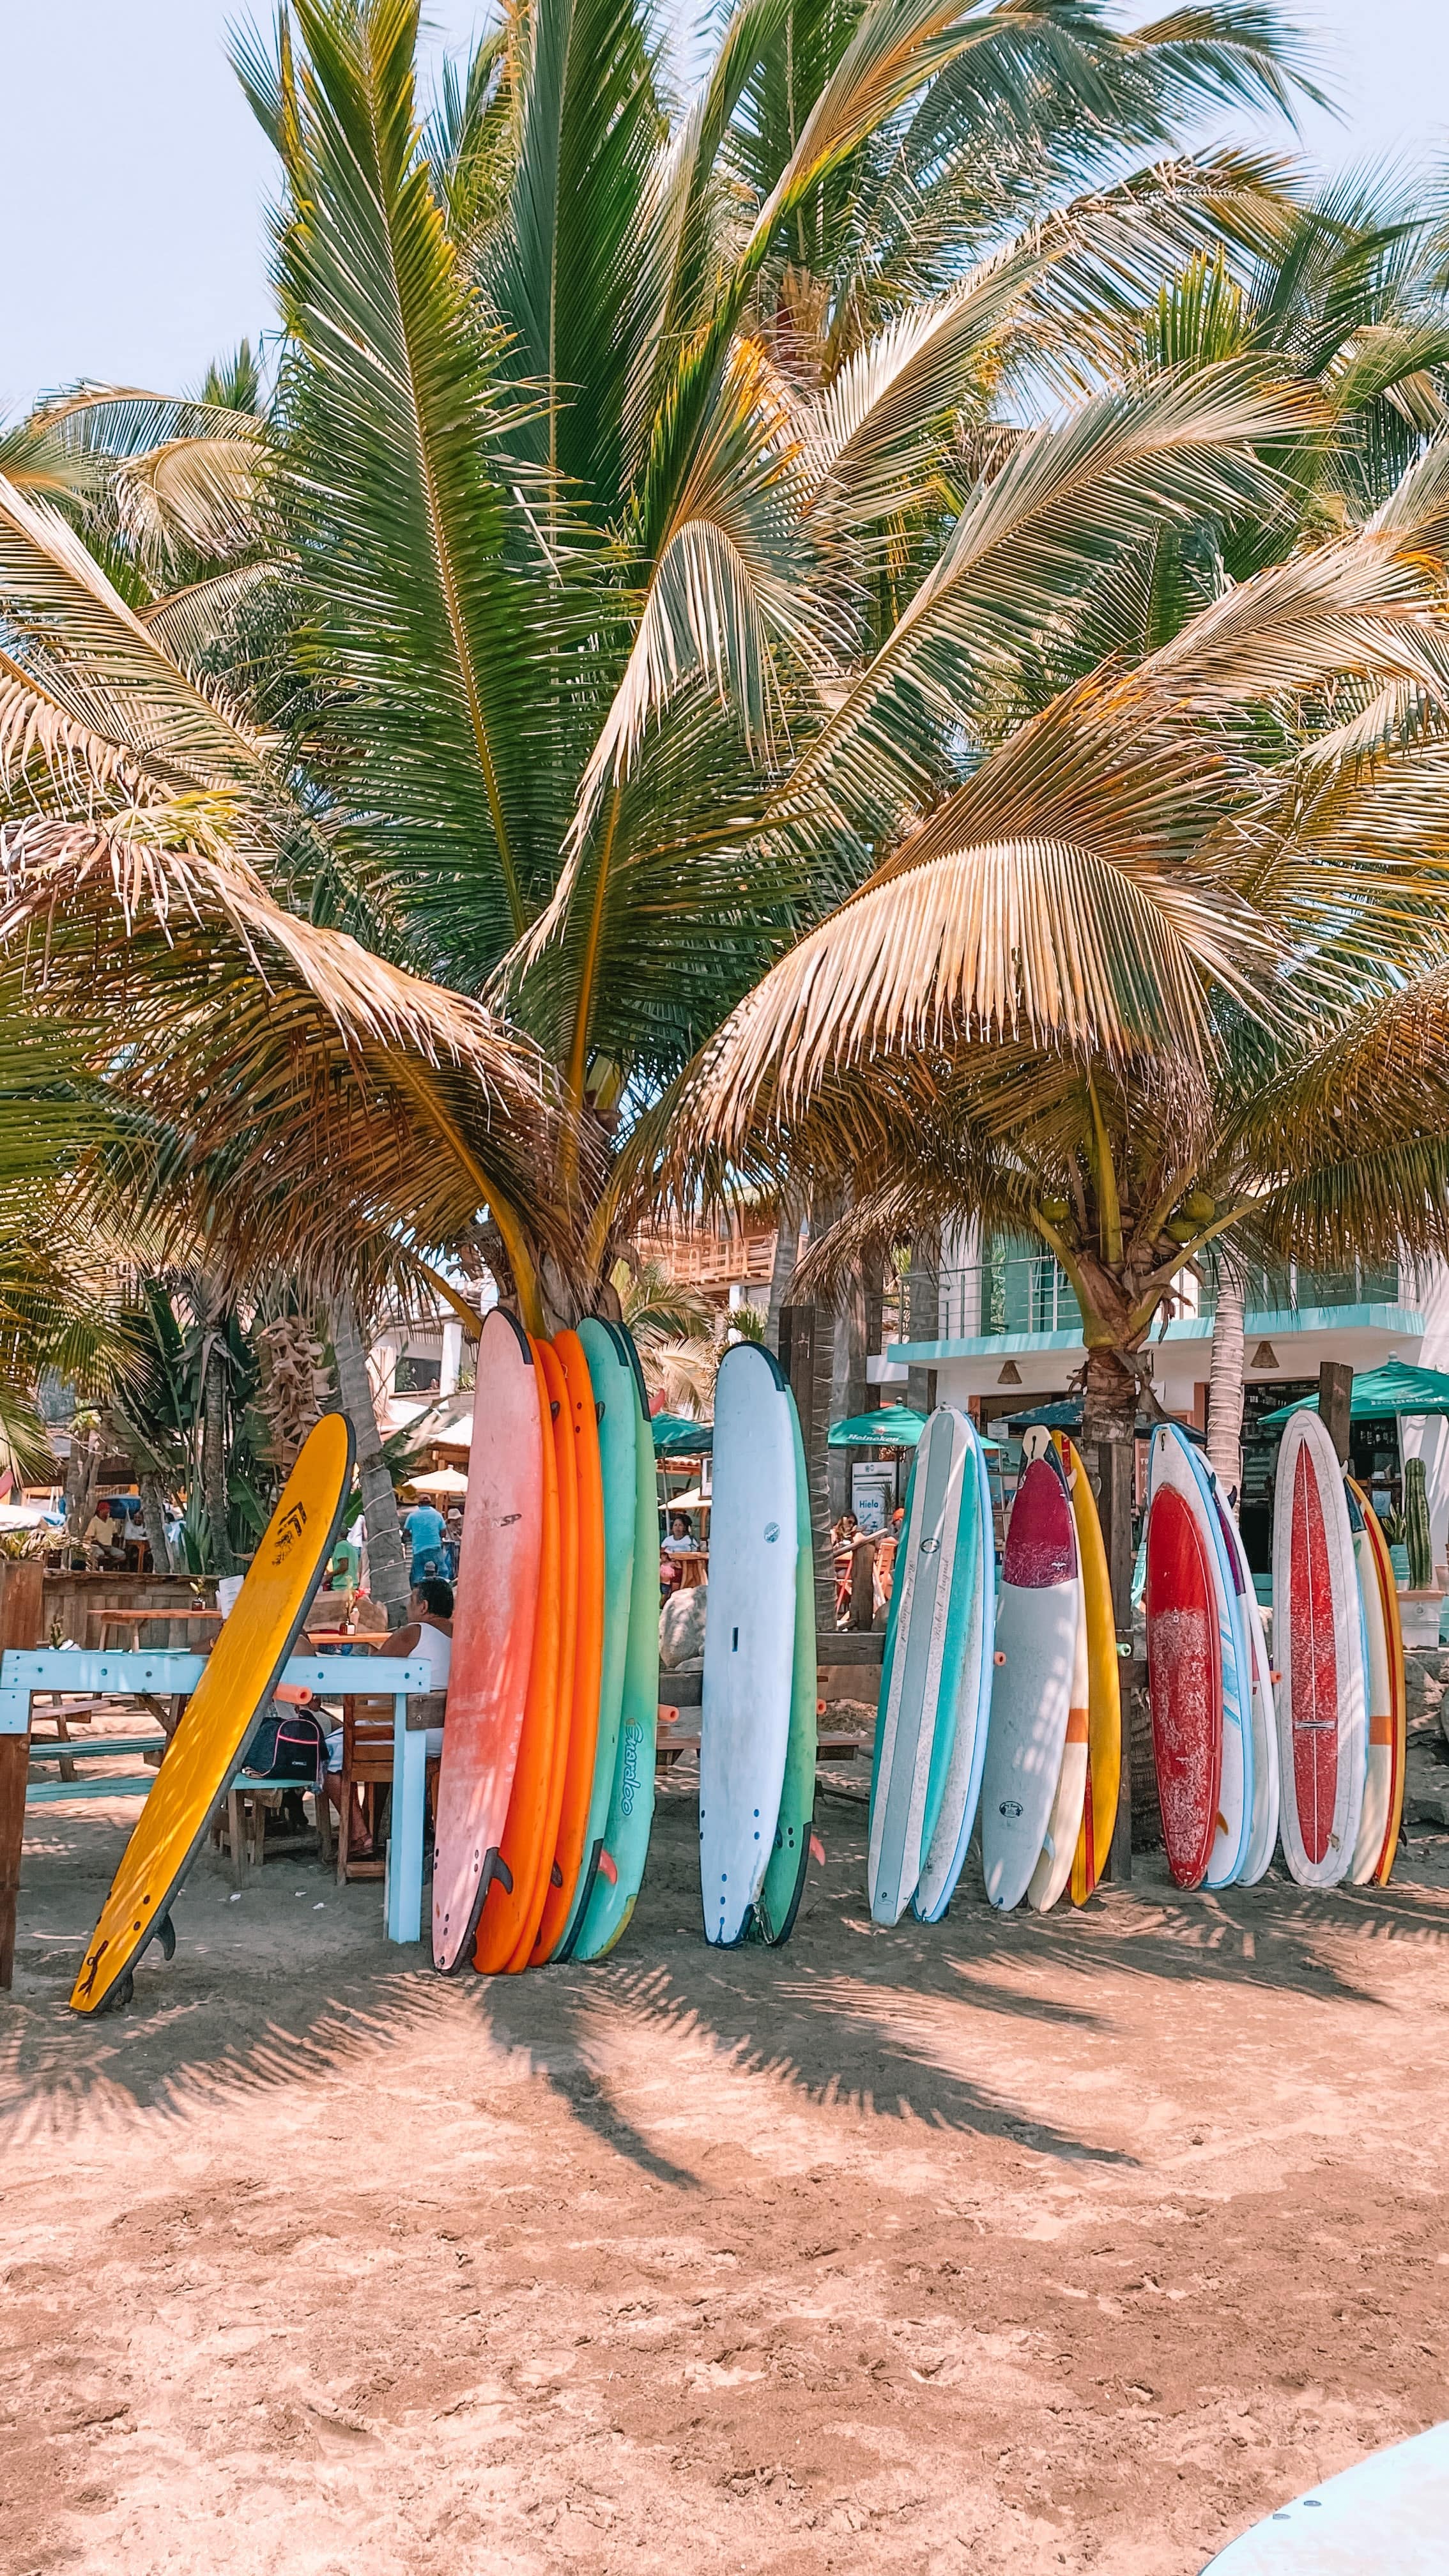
(1009,1337)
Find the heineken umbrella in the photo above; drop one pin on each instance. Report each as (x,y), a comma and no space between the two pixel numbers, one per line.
(893,1426)
(674,1437)
(1394,1388)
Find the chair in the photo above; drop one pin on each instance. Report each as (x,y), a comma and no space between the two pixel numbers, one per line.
(367,1731)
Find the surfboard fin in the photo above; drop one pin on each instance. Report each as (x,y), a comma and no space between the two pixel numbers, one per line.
(165,1932)
(495,1866)
(555,1876)
(609,1868)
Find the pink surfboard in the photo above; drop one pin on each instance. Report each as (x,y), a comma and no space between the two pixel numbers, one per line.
(493,1621)
(1318,1648)
(1184,1683)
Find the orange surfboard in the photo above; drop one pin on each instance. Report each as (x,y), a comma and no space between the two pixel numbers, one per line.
(493,1624)
(565,1440)
(508,1908)
(583,1725)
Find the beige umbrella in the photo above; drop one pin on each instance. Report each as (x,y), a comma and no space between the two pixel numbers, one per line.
(444,1480)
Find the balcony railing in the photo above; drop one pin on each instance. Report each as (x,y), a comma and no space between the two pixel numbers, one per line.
(1030,1293)
(711,1260)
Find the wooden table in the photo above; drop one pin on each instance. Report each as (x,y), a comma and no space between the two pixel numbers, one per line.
(124,1619)
(693,1563)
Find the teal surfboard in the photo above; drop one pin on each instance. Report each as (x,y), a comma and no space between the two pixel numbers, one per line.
(616,1394)
(779,1901)
(620,1871)
(926,1689)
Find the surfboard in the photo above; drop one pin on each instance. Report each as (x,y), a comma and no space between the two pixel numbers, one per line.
(495,1605)
(1179,1458)
(508,1904)
(950,1836)
(1104,1685)
(790,1860)
(252,1646)
(1035,1659)
(921,1668)
(620,1873)
(1263,1835)
(1398,1689)
(1059,1843)
(1184,1672)
(1378,1794)
(621,1426)
(583,1723)
(1318,1649)
(1389,2512)
(749,1638)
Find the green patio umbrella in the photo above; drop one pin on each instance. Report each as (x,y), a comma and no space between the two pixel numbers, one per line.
(894,1426)
(675,1437)
(1394,1388)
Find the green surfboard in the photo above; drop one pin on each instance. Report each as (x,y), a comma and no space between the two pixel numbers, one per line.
(779,1898)
(611,1899)
(616,1394)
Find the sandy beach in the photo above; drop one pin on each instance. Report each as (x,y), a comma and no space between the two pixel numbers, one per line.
(1026,2245)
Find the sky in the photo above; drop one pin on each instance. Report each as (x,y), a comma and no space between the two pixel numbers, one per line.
(136,180)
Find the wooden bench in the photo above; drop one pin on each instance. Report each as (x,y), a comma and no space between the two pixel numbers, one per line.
(669,1744)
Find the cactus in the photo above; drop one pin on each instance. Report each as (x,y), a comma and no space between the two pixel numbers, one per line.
(1416,1526)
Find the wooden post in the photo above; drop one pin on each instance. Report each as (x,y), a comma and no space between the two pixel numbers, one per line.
(21,1581)
(1116,1463)
(806,1339)
(1335,1395)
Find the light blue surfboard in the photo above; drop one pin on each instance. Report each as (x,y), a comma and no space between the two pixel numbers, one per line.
(749,1638)
(936,1584)
(1388,2516)
(950,1839)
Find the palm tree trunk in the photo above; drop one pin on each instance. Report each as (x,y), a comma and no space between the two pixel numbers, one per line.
(154,1517)
(782,1271)
(387,1564)
(1225,1387)
(213,1457)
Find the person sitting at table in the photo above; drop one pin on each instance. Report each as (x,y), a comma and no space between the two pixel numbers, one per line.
(104,1535)
(428,1639)
(681,1535)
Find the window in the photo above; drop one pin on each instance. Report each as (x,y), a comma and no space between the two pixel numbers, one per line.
(418,1373)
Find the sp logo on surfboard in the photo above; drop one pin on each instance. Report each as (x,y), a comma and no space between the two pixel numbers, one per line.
(772,1532)
(1010,1808)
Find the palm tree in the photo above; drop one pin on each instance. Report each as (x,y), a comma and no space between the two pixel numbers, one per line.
(1163,981)
(647,501)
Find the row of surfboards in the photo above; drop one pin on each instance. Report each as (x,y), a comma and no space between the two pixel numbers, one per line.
(1308,1750)
(546,1780)
(1004,1705)
(1007,1705)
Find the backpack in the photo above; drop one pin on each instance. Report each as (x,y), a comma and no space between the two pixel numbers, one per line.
(286,1744)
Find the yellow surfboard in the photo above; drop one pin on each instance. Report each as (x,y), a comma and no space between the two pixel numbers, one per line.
(1104,1686)
(247,1659)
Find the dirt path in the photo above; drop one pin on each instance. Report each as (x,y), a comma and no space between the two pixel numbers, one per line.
(1010,2246)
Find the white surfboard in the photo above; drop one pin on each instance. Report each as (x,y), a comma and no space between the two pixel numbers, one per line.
(1318,1649)
(1177,1461)
(1373,1823)
(1263,1835)
(749,1637)
(1387,2516)
(946,1851)
(921,1669)
(1035,1658)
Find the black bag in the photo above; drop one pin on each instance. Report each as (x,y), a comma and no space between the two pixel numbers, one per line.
(287,1744)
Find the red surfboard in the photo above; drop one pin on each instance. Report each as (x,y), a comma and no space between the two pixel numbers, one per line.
(1313,1671)
(493,1623)
(1184,1684)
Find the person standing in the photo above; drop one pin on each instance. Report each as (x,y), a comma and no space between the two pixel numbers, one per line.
(423,1529)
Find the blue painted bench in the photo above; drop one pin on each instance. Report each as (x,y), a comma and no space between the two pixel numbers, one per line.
(24,1671)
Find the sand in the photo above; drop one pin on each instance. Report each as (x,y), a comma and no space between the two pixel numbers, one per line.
(1026,2245)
